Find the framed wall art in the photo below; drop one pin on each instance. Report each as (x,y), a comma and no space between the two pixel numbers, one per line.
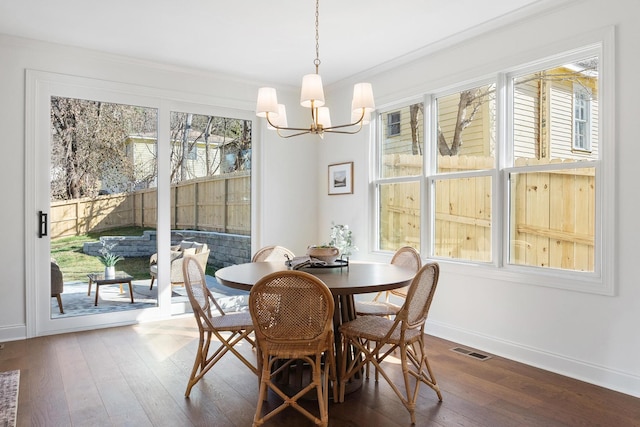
(341,178)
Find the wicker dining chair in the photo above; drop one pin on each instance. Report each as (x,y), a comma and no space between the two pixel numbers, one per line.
(405,332)
(236,327)
(272,253)
(380,305)
(292,313)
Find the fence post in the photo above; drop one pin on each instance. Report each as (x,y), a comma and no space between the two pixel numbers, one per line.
(195,206)
(226,204)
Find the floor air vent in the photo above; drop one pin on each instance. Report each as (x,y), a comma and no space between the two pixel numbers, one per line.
(471,353)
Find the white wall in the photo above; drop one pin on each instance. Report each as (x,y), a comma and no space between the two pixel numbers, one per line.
(582,335)
(590,337)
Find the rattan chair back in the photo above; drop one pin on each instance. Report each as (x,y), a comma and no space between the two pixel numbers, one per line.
(291,307)
(272,253)
(199,294)
(407,257)
(419,296)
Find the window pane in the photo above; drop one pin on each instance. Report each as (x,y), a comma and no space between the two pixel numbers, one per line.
(103,173)
(463,218)
(402,143)
(466,127)
(218,149)
(554,111)
(553,219)
(399,215)
(208,145)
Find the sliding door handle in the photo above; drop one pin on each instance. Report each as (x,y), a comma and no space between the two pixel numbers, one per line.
(42,226)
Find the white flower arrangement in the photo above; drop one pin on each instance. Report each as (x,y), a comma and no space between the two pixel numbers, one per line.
(342,238)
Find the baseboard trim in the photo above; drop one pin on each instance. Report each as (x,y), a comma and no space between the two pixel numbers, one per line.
(602,376)
(13,333)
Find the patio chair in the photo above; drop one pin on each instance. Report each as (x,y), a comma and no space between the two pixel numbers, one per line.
(57,284)
(200,250)
(292,313)
(272,253)
(236,327)
(407,257)
(405,332)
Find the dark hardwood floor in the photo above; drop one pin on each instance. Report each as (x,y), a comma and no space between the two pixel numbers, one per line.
(136,376)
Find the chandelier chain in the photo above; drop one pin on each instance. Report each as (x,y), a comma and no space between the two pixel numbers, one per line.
(317,60)
(312,97)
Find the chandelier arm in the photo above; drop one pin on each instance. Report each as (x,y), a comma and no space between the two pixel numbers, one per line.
(359,124)
(293,134)
(353,132)
(283,127)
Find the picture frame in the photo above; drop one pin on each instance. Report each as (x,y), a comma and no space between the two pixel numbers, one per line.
(340,178)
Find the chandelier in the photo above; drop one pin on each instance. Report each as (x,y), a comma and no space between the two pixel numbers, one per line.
(312,97)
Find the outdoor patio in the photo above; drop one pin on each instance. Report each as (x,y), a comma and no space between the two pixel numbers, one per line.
(76,302)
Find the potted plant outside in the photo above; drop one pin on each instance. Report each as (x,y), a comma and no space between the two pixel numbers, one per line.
(109,259)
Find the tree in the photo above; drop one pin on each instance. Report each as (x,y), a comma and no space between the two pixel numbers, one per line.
(87,143)
(226,141)
(468,106)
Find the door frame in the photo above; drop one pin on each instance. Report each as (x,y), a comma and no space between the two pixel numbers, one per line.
(40,86)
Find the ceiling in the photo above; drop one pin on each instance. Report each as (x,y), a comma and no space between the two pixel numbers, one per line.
(267,41)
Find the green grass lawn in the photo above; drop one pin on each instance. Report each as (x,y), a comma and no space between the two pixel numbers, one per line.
(75,265)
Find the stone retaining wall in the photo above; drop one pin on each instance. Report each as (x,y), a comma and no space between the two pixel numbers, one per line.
(226,249)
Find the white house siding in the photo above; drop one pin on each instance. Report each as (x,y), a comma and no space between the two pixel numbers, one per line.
(526,123)
(143,157)
(532,140)
(561,123)
(402,143)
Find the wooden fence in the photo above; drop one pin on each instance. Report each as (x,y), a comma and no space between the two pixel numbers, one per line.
(219,203)
(553,214)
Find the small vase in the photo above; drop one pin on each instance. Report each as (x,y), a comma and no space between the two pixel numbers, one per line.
(110,272)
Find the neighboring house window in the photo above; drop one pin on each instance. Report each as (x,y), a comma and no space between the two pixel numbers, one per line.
(581,118)
(516,197)
(393,123)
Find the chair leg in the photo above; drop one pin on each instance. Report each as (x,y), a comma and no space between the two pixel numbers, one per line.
(198,364)
(262,395)
(59,298)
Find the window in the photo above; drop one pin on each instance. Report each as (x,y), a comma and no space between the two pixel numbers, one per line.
(400,170)
(551,188)
(581,118)
(526,197)
(464,175)
(393,124)
(203,145)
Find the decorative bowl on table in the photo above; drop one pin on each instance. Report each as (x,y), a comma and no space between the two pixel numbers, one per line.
(328,254)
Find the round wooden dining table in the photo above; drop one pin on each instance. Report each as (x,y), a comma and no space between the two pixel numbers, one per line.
(344,282)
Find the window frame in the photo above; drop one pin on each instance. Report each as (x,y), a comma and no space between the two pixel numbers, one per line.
(602,279)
